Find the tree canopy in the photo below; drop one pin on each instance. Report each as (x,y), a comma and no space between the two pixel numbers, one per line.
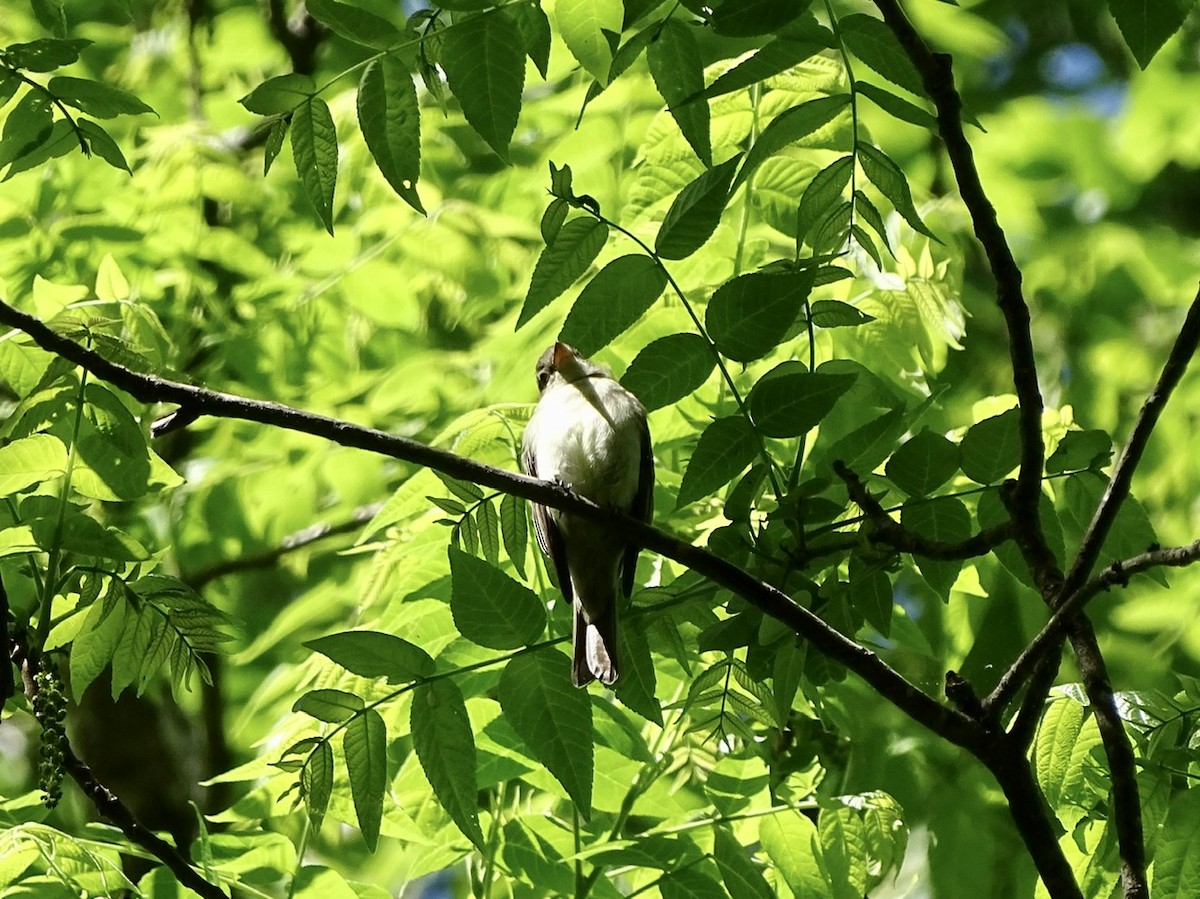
(909,291)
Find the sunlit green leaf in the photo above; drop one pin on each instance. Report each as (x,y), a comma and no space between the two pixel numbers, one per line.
(356,24)
(668,369)
(390,120)
(748,316)
(375,654)
(316,783)
(726,447)
(582,24)
(489,607)
(95,97)
(678,71)
(328,705)
(552,718)
(789,127)
(315,151)
(445,747)
(695,212)
(563,263)
(613,300)
(38,457)
(485,65)
(280,94)
(365,746)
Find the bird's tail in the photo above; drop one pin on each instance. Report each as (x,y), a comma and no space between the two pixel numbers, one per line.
(595,647)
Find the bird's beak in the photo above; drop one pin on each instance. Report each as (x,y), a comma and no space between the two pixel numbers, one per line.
(563,354)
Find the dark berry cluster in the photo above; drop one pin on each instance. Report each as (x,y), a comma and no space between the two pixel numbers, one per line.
(49,707)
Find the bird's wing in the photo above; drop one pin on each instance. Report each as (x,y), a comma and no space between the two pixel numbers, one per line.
(643,505)
(549,537)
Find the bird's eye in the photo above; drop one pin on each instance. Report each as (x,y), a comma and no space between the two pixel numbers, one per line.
(543,377)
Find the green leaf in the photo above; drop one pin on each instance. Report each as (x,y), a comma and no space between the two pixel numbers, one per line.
(742,877)
(485,67)
(836,314)
(390,119)
(375,654)
(1177,855)
(17,541)
(514,528)
(897,107)
(316,783)
(552,718)
(562,263)
(822,194)
(51,16)
(112,448)
(274,142)
(100,143)
(96,98)
(87,537)
(923,464)
(488,523)
(28,126)
(992,447)
(612,301)
(871,594)
(365,747)
(863,239)
(886,175)
(638,682)
(445,746)
(669,369)
(315,151)
(695,212)
(748,18)
(30,460)
(749,316)
(534,26)
(355,24)
(945,519)
(1078,450)
(95,644)
(726,447)
(489,607)
(792,842)
(1054,745)
(991,512)
(678,72)
(789,127)
(790,401)
(1147,24)
(582,25)
(775,57)
(843,851)
(872,41)
(44,55)
(333,706)
(553,219)
(279,95)
(59,141)
(869,214)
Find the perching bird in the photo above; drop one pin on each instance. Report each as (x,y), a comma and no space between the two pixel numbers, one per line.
(589,434)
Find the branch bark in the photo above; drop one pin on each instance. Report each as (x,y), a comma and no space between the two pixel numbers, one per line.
(948,723)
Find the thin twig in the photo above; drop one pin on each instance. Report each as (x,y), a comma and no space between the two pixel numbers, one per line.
(947,723)
(901,538)
(289,544)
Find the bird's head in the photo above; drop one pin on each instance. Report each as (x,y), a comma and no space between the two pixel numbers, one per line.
(562,364)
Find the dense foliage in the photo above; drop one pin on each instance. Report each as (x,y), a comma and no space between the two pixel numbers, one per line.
(756,214)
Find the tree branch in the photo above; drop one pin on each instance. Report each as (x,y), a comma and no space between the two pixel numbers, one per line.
(938,79)
(946,722)
(1122,476)
(1115,575)
(900,538)
(289,544)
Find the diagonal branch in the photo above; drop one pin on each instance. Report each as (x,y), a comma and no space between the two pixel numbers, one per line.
(1115,575)
(920,706)
(901,538)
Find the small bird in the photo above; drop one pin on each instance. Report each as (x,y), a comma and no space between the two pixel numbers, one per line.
(589,434)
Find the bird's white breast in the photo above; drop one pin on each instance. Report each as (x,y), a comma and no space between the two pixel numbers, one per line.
(587,435)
